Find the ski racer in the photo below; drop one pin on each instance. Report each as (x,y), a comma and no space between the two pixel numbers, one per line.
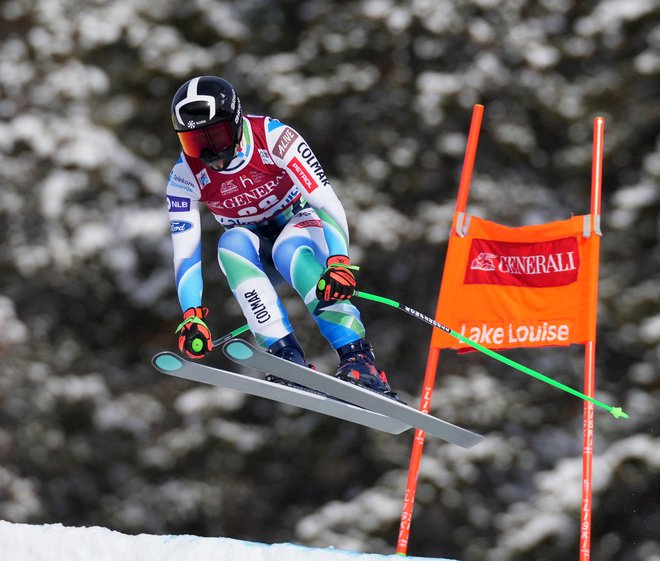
(281,220)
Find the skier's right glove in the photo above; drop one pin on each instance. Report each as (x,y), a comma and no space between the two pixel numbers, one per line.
(194,335)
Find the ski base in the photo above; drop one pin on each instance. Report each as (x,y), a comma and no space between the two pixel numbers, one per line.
(175,365)
(245,354)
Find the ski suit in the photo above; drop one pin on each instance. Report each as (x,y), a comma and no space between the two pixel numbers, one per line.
(281,220)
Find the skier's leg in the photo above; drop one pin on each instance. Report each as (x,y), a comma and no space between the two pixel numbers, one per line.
(240,260)
(299,254)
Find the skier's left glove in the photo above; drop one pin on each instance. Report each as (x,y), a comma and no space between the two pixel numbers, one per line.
(194,335)
(338,281)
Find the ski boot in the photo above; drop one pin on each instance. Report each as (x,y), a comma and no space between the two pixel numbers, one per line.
(289,349)
(356,365)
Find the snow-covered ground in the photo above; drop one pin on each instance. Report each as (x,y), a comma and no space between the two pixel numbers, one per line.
(54,542)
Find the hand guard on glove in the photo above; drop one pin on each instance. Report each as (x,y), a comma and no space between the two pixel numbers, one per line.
(194,335)
(338,281)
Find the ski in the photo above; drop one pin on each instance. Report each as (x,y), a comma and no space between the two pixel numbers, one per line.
(243,353)
(175,365)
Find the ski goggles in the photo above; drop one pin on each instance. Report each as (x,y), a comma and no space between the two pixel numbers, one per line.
(215,138)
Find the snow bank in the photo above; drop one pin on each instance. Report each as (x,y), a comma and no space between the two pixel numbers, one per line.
(55,542)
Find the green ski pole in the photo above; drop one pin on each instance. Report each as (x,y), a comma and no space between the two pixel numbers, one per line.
(231,335)
(616,412)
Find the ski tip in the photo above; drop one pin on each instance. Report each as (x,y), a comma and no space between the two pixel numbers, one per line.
(472,440)
(618,413)
(238,350)
(167,362)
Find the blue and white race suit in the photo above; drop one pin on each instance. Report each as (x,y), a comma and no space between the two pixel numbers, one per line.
(281,220)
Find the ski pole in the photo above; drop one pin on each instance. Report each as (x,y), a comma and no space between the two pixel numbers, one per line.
(231,335)
(615,411)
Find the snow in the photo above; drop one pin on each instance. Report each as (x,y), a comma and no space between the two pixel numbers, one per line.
(650,330)
(636,196)
(53,542)
(20,500)
(333,522)
(12,330)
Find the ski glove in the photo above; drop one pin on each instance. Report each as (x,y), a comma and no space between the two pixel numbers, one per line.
(194,335)
(338,281)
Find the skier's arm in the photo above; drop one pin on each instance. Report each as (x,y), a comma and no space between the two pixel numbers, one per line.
(183,196)
(183,204)
(291,152)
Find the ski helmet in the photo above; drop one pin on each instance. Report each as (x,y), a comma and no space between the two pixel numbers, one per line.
(207,118)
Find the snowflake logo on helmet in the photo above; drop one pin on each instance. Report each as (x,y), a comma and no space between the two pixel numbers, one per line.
(190,124)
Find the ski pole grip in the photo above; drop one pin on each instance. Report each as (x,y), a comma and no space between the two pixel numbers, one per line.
(231,335)
(375,298)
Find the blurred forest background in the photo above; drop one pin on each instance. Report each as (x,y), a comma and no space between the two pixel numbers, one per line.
(91,434)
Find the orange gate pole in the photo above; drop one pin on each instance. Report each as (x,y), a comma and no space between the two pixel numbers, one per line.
(434,353)
(590,354)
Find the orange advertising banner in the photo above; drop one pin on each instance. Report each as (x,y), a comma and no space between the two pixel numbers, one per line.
(530,286)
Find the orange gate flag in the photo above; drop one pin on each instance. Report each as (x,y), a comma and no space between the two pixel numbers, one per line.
(529,286)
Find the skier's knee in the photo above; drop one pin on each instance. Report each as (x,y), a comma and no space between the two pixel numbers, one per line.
(240,241)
